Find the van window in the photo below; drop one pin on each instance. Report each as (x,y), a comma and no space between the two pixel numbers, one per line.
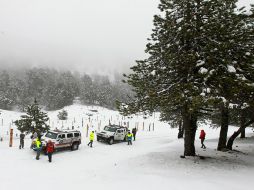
(69,135)
(62,136)
(76,134)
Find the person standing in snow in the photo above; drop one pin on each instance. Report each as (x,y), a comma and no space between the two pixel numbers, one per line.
(33,137)
(21,138)
(129,138)
(202,138)
(38,148)
(134,132)
(91,138)
(50,149)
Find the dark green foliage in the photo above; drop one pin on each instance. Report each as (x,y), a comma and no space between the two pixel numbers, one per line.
(34,120)
(63,115)
(5,91)
(56,89)
(200,58)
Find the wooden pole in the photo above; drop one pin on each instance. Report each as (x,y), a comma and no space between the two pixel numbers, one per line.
(87,130)
(11,138)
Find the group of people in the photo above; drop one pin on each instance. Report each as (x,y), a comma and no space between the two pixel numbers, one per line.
(37,145)
(49,149)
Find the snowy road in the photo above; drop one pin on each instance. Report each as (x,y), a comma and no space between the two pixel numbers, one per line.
(152,162)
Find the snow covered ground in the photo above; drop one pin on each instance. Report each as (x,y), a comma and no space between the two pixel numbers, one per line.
(152,162)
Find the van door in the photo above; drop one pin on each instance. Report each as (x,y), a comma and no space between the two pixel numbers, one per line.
(69,139)
(119,136)
(60,142)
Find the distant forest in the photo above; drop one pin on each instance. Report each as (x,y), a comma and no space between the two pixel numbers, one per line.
(55,89)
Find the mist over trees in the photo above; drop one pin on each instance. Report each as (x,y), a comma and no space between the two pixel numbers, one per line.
(55,89)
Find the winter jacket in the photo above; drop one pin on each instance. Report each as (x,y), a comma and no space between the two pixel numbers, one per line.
(129,136)
(50,147)
(22,136)
(38,143)
(202,134)
(91,136)
(134,131)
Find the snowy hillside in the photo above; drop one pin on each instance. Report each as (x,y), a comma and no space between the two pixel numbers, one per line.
(152,162)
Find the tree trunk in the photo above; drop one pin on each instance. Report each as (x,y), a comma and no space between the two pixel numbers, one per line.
(243,133)
(189,125)
(243,121)
(180,130)
(224,128)
(238,132)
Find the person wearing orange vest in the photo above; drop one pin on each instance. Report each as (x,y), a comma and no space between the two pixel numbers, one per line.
(91,138)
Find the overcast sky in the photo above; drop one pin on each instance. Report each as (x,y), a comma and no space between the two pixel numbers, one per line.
(86,35)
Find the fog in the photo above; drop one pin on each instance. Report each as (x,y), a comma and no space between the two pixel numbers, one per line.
(92,36)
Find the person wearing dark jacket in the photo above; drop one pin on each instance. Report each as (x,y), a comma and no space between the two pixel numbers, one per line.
(21,138)
(134,132)
(202,138)
(50,149)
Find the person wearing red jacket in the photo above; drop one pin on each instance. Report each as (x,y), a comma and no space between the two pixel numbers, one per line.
(50,149)
(202,138)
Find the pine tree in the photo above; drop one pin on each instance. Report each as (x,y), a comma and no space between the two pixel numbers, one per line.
(5,99)
(192,53)
(228,60)
(169,79)
(34,120)
(63,115)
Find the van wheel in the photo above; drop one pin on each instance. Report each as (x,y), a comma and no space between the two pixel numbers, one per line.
(111,141)
(74,146)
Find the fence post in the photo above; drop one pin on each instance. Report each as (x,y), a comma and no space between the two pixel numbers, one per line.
(11,138)
(87,130)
